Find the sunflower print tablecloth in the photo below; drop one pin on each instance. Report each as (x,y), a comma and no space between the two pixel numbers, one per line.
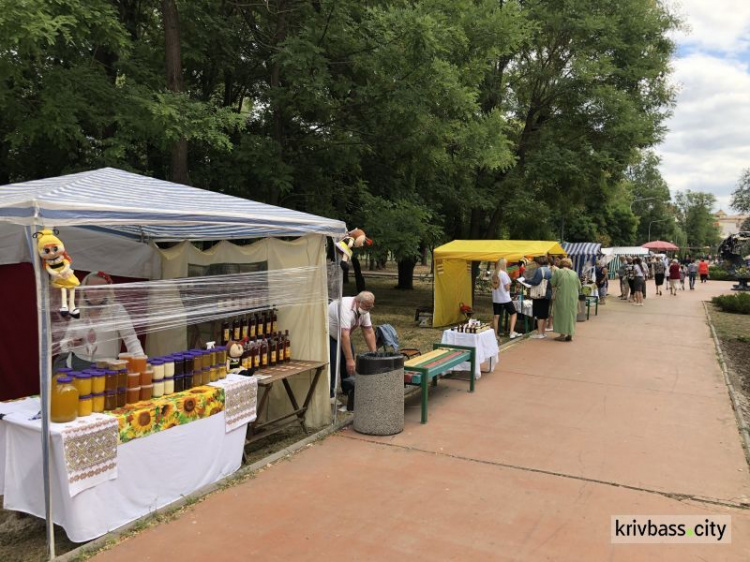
(149,416)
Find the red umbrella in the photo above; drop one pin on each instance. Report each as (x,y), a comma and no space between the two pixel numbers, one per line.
(660,245)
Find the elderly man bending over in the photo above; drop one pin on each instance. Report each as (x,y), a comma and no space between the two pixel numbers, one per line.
(353,312)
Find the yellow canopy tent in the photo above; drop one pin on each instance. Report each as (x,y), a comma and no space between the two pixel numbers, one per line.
(453,269)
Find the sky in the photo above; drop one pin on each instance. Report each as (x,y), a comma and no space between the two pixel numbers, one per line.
(708,143)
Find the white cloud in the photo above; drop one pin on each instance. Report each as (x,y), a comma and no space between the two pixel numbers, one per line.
(715,25)
(708,144)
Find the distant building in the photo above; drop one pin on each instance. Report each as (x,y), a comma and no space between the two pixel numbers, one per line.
(729,224)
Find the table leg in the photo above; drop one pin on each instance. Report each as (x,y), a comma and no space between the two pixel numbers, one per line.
(596,310)
(296,407)
(472,376)
(425,388)
(588,309)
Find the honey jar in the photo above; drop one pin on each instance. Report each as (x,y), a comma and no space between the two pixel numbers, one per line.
(98,401)
(82,382)
(134,394)
(85,405)
(110,400)
(64,401)
(99,380)
(147,391)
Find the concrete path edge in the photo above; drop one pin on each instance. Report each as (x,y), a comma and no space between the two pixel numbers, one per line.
(725,369)
(90,548)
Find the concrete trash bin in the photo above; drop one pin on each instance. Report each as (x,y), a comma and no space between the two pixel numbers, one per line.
(379,395)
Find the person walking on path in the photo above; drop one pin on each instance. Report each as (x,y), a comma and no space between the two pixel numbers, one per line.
(674,277)
(659,271)
(639,281)
(622,273)
(540,305)
(683,274)
(692,273)
(602,281)
(567,287)
(703,270)
(501,298)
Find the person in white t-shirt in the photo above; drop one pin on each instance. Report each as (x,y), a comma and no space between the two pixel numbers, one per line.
(501,298)
(354,312)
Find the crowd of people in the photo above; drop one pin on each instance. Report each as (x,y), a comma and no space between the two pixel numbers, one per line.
(635,271)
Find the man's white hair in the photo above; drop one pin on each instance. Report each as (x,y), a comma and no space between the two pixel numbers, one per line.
(366,298)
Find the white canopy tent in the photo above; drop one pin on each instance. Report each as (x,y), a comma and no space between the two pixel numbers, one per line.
(141,208)
(611,256)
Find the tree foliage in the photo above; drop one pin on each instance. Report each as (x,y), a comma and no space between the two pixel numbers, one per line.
(741,194)
(423,120)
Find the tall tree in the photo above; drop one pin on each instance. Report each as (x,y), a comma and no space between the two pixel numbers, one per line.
(173,63)
(741,194)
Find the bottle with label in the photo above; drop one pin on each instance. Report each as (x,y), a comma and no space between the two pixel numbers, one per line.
(274,320)
(236,329)
(273,346)
(282,347)
(269,329)
(261,324)
(256,354)
(252,320)
(245,328)
(287,347)
(264,353)
(225,332)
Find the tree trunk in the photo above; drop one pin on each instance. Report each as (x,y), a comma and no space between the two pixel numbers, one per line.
(179,162)
(359,279)
(425,253)
(406,274)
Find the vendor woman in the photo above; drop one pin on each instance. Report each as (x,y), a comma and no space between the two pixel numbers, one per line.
(103,325)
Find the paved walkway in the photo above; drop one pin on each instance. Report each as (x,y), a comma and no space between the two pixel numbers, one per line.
(632,417)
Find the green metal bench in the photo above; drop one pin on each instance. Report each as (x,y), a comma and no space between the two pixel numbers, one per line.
(419,371)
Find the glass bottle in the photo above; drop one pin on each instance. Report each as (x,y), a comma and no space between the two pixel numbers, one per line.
(268,328)
(252,320)
(282,347)
(245,328)
(236,329)
(273,351)
(261,324)
(225,331)
(287,347)
(264,353)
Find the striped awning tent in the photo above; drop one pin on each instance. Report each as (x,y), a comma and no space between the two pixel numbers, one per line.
(148,208)
(583,254)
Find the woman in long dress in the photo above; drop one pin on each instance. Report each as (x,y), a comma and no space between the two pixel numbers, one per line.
(567,288)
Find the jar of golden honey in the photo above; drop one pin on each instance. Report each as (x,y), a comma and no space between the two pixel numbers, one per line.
(82,382)
(64,401)
(85,405)
(98,400)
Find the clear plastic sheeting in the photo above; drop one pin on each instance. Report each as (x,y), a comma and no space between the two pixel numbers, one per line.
(121,311)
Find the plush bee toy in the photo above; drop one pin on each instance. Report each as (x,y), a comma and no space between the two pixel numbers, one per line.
(57,263)
(354,239)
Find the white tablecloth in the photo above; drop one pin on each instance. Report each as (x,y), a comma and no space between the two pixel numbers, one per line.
(485,344)
(153,471)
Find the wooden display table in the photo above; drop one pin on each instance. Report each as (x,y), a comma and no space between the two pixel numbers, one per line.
(260,429)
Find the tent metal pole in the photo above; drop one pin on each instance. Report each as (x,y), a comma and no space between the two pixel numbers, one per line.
(339,296)
(44,335)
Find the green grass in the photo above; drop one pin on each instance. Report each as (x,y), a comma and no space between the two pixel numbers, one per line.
(730,326)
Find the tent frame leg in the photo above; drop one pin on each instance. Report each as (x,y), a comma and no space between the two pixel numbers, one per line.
(44,337)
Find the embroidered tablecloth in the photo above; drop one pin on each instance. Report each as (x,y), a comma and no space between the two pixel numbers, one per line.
(149,416)
(240,400)
(90,449)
